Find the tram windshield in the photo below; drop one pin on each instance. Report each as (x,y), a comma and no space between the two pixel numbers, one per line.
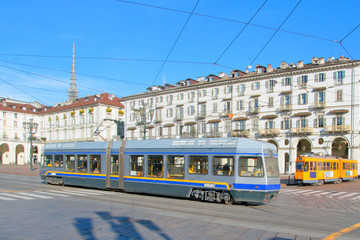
(302,166)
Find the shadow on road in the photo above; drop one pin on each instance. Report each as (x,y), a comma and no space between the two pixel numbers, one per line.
(122,227)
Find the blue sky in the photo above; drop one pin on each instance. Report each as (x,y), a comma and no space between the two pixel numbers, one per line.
(117,41)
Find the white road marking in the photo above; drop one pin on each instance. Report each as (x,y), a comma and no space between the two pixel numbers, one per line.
(14,195)
(53,193)
(336,194)
(34,195)
(348,195)
(313,192)
(7,199)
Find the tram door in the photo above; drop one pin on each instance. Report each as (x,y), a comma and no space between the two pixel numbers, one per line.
(115,166)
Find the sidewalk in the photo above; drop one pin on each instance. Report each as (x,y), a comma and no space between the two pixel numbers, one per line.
(19,169)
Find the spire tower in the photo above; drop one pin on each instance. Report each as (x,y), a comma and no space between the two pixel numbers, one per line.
(73,91)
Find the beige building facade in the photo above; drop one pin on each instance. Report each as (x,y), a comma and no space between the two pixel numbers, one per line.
(301,108)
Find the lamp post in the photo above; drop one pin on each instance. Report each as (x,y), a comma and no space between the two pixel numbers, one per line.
(30,128)
(144,116)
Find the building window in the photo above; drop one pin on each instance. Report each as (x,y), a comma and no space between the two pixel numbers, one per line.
(215,93)
(240,105)
(319,121)
(339,120)
(203,93)
(285,123)
(271,102)
(339,77)
(170,113)
(181,96)
(191,110)
(303,99)
(255,86)
(255,123)
(270,124)
(320,77)
(227,89)
(241,89)
(227,107)
(339,95)
(215,106)
(286,81)
(203,128)
(302,122)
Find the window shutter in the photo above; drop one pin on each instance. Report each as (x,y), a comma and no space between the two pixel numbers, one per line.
(298,79)
(282,124)
(306,123)
(266,84)
(299,99)
(324,122)
(316,77)
(297,123)
(335,76)
(306,98)
(334,121)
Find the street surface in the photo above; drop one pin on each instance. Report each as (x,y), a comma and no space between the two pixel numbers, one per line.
(31,209)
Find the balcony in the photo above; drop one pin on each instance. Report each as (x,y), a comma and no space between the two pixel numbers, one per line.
(301,131)
(179,118)
(240,133)
(285,107)
(321,104)
(212,135)
(224,114)
(201,115)
(269,132)
(189,135)
(158,120)
(338,129)
(253,110)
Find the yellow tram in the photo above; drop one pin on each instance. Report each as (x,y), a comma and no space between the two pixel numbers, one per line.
(311,169)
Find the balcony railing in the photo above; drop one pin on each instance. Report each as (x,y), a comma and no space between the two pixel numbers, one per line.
(253,110)
(179,118)
(201,115)
(285,107)
(240,133)
(338,129)
(269,132)
(189,135)
(301,130)
(212,135)
(321,104)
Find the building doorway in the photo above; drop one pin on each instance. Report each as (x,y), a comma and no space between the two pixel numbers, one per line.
(303,147)
(340,148)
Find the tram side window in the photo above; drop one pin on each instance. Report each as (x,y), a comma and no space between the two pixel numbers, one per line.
(82,164)
(59,161)
(334,166)
(272,167)
(344,166)
(95,163)
(251,167)
(306,167)
(155,166)
(114,163)
(137,165)
(320,166)
(223,166)
(70,163)
(198,165)
(48,160)
(324,165)
(328,165)
(175,167)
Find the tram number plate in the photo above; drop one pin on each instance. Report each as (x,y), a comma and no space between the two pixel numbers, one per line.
(53,174)
(209,185)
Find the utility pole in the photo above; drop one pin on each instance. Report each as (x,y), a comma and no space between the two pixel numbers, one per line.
(144,116)
(30,128)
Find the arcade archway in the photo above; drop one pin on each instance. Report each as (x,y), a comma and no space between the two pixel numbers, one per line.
(340,148)
(303,147)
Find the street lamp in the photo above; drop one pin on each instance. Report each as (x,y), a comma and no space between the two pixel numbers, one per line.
(30,128)
(144,117)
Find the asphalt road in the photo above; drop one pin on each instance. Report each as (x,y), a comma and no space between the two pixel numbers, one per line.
(31,209)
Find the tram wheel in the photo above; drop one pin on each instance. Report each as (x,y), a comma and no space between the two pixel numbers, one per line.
(230,201)
(320,182)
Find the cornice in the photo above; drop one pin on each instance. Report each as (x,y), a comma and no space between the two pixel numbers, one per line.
(244,79)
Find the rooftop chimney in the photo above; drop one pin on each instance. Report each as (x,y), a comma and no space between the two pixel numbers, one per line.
(269,68)
(300,64)
(284,65)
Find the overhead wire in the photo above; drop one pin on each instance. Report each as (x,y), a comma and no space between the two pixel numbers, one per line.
(277,30)
(40,101)
(231,43)
(225,19)
(77,73)
(173,46)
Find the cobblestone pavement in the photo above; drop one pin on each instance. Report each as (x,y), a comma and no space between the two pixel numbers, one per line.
(19,169)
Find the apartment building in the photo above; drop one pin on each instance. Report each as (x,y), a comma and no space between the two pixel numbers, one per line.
(73,120)
(301,108)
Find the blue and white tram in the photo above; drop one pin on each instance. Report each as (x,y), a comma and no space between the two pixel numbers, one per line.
(210,169)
